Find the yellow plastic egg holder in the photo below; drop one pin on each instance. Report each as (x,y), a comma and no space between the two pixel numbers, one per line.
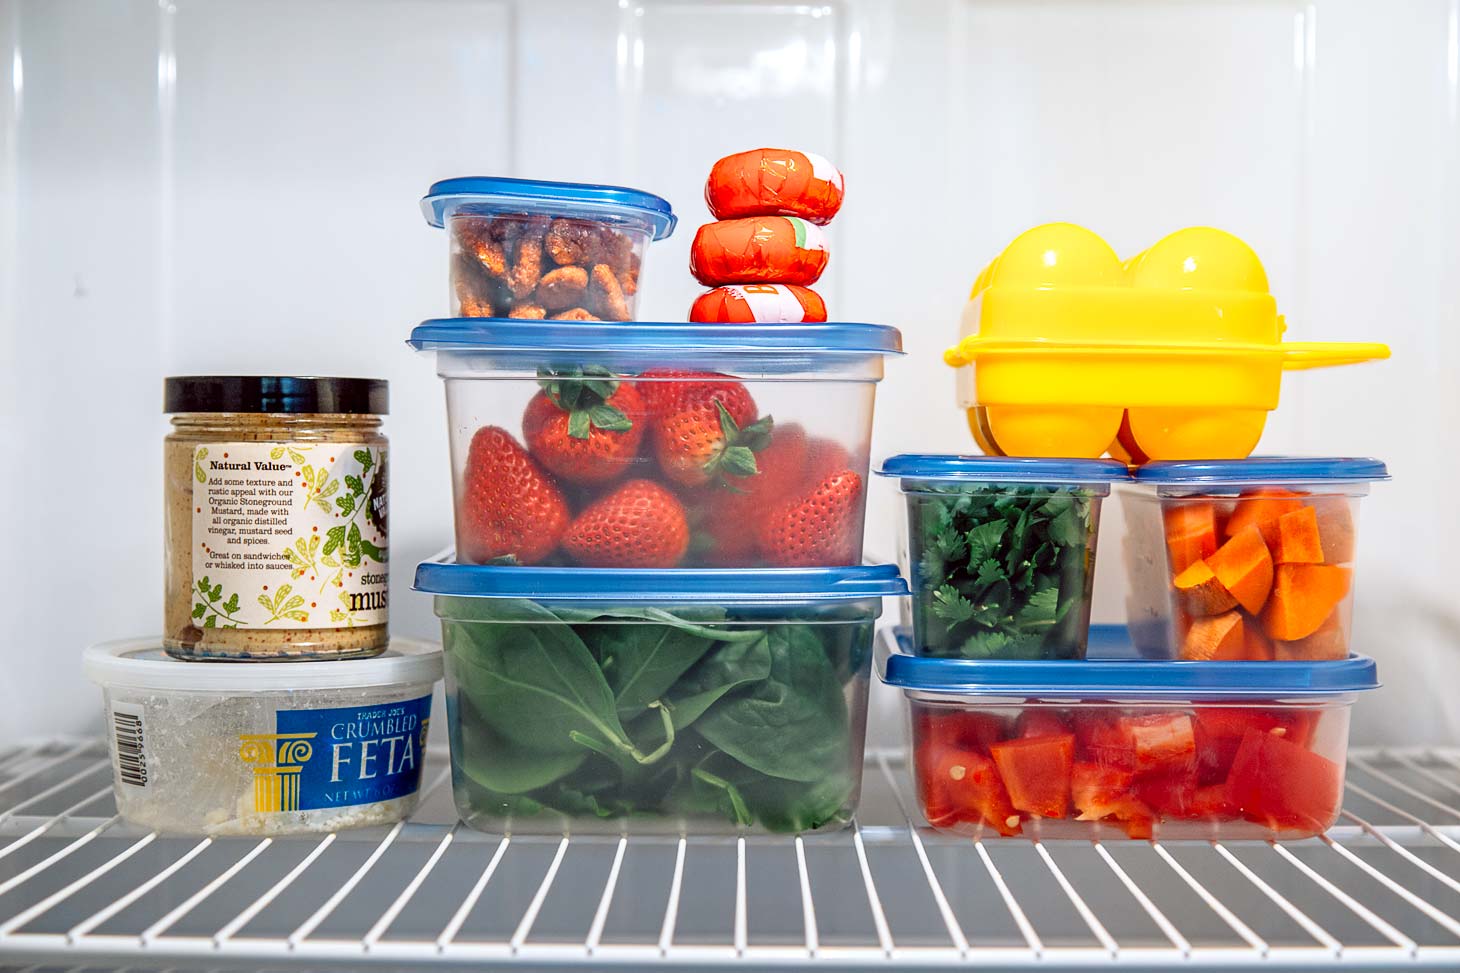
(1176,353)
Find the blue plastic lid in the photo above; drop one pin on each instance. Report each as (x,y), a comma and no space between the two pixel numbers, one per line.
(443,576)
(507,334)
(1002,469)
(1265,469)
(1113,677)
(588,200)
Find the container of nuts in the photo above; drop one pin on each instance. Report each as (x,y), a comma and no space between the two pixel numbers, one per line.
(525,248)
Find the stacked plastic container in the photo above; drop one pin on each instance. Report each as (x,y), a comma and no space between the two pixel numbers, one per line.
(655,617)
(1223,709)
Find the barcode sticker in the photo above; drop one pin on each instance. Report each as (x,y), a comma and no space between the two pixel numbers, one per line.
(131,741)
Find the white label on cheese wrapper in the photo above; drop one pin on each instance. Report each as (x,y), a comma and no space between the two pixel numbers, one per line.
(769,303)
(289,535)
(809,236)
(822,168)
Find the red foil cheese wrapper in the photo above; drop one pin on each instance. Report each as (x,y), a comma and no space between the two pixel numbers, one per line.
(758,304)
(774,182)
(758,250)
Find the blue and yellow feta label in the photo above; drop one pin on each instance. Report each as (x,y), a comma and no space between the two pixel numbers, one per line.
(328,758)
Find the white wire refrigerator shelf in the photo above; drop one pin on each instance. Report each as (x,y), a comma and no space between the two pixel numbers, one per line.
(80,889)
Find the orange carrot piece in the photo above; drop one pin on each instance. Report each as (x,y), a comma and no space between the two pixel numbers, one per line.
(1200,591)
(1303,597)
(1297,538)
(1217,639)
(1329,642)
(1244,567)
(1261,509)
(1191,532)
(1258,647)
(1335,528)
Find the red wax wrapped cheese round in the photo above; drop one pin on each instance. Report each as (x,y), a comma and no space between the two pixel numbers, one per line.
(758,304)
(758,250)
(779,182)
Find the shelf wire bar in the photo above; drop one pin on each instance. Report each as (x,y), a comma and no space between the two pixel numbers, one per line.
(60,895)
(65,852)
(18,755)
(333,902)
(382,925)
(1402,787)
(524,928)
(940,898)
(1258,944)
(1157,916)
(1436,915)
(808,907)
(741,933)
(458,919)
(605,901)
(53,761)
(76,932)
(222,936)
(1399,812)
(671,906)
(50,823)
(1097,928)
(1425,772)
(158,928)
(1447,880)
(874,901)
(1356,907)
(56,789)
(1031,938)
(1308,924)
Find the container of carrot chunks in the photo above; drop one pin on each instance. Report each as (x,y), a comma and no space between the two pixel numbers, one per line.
(1244,560)
(1131,748)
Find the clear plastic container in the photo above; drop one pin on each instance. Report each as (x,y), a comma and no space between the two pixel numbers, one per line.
(659,445)
(1001,552)
(525,248)
(1135,748)
(656,701)
(1244,559)
(266,748)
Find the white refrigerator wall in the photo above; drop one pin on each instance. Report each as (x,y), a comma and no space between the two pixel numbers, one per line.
(230,186)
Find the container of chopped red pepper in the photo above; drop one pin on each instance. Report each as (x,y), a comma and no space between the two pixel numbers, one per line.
(1127,747)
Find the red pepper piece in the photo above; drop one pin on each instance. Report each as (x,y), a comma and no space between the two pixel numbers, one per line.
(1040,722)
(1281,785)
(1036,772)
(1219,730)
(961,786)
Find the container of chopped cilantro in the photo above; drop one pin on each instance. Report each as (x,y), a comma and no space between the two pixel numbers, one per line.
(1001,552)
(656,700)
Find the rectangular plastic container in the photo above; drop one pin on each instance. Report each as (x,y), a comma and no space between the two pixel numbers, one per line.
(1001,552)
(1135,748)
(656,701)
(659,445)
(525,248)
(1244,559)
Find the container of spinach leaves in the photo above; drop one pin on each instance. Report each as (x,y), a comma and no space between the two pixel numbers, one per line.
(1001,552)
(656,700)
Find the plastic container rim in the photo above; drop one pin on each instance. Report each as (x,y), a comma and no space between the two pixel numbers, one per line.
(447,196)
(1260,470)
(114,664)
(683,337)
(1097,474)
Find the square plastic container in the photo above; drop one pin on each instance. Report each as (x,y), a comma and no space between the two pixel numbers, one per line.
(659,445)
(1001,552)
(266,748)
(1244,559)
(524,248)
(656,701)
(1135,748)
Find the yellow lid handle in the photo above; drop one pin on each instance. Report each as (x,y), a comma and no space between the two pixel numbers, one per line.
(1299,355)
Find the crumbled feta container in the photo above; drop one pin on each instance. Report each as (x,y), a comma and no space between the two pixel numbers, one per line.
(265,748)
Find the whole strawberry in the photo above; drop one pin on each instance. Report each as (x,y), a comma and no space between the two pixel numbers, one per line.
(726,512)
(638,525)
(509,508)
(820,527)
(585,425)
(666,390)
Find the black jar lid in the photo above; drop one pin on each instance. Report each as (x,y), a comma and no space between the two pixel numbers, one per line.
(288,394)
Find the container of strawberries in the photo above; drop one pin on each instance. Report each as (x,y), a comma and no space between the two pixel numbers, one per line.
(532,249)
(1128,747)
(1248,559)
(652,700)
(658,445)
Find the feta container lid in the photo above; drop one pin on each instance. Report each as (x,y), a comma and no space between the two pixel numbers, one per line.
(1004,469)
(142,664)
(1119,675)
(443,576)
(1265,469)
(570,199)
(700,341)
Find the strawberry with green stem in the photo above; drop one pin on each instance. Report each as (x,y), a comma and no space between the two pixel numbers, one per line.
(585,425)
(508,507)
(817,528)
(705,444)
